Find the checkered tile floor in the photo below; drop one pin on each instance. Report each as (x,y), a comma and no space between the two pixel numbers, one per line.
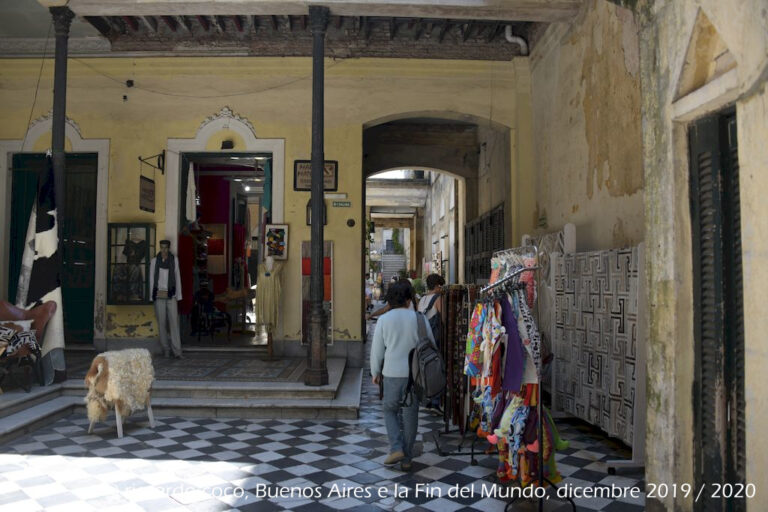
(222,464)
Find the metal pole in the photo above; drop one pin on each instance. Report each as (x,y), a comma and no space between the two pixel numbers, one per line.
(62,19)
(317,373)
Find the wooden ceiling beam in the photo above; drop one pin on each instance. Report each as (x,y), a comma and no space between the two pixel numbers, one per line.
(185,22)
(171,22)
(150,22)
(393,26)
(218,23)
(238,23)
(419,30)
(132,22)
(101,24)
(443,31)
(467,31)
(204,22)
(493,33)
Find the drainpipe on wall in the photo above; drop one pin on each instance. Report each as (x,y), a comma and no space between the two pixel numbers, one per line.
(516,39)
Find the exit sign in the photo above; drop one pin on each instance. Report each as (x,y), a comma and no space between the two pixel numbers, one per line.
(342,204)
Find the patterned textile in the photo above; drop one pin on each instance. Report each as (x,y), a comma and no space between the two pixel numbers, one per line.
(596,326)
(22,339)
(6,334)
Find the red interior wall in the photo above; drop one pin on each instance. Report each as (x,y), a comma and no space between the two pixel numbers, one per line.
(214,209)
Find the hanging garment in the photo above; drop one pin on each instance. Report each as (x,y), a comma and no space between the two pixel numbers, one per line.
(268,291)
(530,339)
(472,362)
(190,208)
(515,353)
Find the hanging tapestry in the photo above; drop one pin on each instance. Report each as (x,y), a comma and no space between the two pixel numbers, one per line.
(596,338)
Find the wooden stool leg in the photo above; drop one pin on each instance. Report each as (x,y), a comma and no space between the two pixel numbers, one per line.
(119,421)
(149,413)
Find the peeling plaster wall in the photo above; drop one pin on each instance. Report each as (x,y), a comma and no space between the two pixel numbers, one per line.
(665,28)
(587,130)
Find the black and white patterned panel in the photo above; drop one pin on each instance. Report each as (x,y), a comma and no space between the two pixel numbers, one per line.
(596,331)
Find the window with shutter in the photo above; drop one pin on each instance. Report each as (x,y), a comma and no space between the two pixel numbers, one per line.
(718,306)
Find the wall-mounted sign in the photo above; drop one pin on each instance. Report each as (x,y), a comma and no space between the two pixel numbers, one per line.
(302,175)
(342,204)
(146,194)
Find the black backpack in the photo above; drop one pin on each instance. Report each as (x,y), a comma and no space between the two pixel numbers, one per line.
(427,370)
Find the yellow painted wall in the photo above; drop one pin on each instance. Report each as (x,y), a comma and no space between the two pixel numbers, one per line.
(172,96)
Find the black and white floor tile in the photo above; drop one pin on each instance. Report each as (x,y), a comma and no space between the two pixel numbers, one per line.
(228,464)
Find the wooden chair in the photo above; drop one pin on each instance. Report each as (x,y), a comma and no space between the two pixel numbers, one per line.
(24,357)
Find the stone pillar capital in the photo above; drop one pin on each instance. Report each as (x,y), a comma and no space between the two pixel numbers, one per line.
(62,20)
(318,19)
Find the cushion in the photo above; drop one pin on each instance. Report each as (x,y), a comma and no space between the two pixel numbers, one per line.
(17,325)
(22,339)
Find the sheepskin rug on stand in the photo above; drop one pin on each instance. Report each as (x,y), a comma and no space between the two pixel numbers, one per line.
(119,379)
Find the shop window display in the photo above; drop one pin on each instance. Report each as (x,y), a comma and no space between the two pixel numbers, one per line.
(131,247)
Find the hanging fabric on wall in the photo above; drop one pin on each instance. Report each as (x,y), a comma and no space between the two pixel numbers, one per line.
(266,200)
(39,280)
(191,203)
(597,338)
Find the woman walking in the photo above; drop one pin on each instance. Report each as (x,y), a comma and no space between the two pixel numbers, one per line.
(395,336)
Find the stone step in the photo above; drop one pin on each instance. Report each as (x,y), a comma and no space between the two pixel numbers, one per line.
(188,389)
(17,400)
(345,405)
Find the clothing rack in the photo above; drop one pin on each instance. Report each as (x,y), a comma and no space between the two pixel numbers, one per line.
(530,251)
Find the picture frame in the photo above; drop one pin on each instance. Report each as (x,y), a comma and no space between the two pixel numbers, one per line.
(276,241)
(302,175)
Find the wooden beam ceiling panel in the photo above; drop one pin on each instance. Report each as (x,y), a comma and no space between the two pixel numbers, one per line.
(131,22)
(238,23)
(204,22)
(443,31)
(171,22)
(101,24)
(185,22)
(503,10)
(150,22)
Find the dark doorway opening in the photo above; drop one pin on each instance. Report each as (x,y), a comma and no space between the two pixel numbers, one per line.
(720,454)
(78,231)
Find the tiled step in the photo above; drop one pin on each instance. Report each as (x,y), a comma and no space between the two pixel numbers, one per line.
(218,390)
(345,405)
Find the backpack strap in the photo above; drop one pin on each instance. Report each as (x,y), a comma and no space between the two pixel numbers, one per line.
(432,302)
(421,320)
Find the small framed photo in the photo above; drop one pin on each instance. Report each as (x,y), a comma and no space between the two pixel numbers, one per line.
(276,241)
(302,175)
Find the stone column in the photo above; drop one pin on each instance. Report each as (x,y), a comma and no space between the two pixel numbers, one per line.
(62,19)
(317,373)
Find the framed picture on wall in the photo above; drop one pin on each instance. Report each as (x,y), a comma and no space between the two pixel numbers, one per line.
(276,241)
(302,175)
